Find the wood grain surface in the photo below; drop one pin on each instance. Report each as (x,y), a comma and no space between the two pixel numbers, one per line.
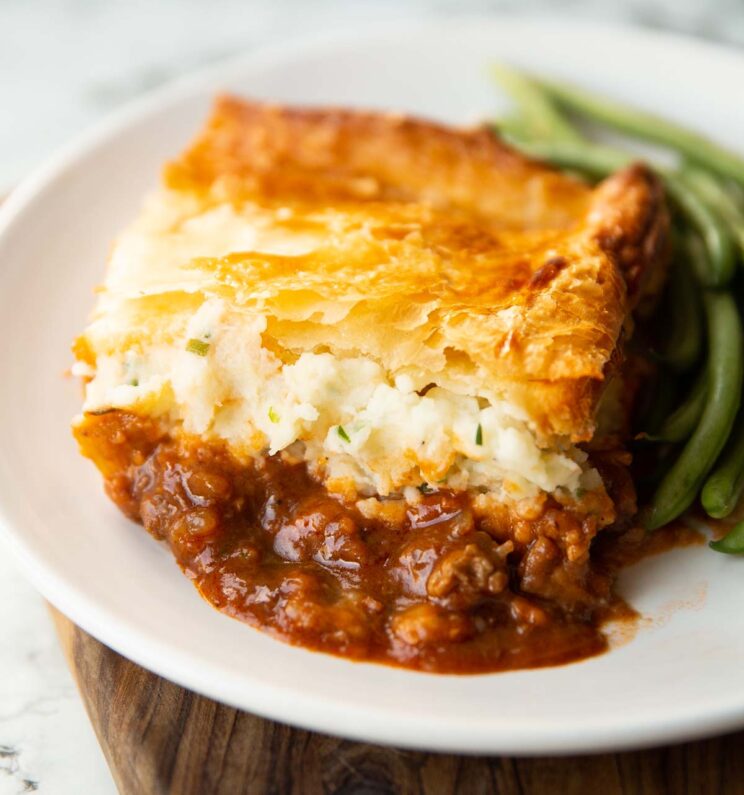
(159,738)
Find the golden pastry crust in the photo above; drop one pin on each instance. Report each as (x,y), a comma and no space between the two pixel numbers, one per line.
(432,250)
(328,155)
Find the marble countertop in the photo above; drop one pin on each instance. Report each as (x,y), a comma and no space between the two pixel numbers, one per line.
(46,742)
(63,65)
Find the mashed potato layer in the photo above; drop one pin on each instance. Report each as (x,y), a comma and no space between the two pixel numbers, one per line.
(353,423)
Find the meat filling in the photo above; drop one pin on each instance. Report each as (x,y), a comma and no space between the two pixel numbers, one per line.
(451,583)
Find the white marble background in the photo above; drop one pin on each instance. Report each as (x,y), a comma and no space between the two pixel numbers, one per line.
(63,65)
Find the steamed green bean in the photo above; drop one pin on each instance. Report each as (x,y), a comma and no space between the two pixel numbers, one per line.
(536,116)
(732,543)
(648,127)
(594,160)
(680,424)
(715,235)
(725,485)
(682,349)
(682,482)
(719,199)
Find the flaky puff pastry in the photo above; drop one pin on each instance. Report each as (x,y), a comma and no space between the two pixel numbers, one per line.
(439,253)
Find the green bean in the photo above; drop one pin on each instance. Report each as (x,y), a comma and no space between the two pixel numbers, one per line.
(682,349)
(514,127)
(725,485)
(736,191)
(719,199)
(684,419)
(682,482)
(664,393)
(715,235)
(732,543)
(697,256)
(592,159)
(537,116)
(648,127)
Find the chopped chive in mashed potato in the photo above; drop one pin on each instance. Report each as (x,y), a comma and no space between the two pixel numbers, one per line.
(348,418)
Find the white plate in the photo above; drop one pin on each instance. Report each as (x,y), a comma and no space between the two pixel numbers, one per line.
(679,677)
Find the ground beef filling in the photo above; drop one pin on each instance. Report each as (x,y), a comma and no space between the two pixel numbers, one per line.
(449,584)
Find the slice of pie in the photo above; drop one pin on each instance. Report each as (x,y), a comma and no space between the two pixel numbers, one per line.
(365,374)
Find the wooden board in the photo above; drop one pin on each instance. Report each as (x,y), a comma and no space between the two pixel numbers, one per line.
(159,738)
